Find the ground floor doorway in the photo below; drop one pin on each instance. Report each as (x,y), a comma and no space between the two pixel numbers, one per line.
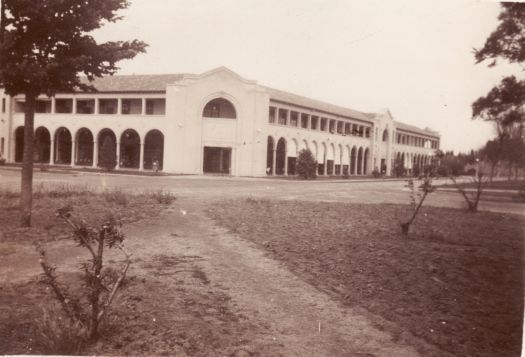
(217,160)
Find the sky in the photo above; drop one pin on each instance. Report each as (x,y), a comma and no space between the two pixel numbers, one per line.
(414,58)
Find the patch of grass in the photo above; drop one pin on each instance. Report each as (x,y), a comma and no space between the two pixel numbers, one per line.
(497,185)
(456,282)
(59,336)
(117,195)
(89,205)
(162,196)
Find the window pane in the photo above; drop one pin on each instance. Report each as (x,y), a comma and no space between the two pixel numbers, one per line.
(156,106)
(20,106)
(271,115)
(43,106)
(63,106)
(85,106)
(132,106)
(107,106)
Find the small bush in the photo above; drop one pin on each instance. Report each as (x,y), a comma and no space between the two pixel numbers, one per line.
(86,311)
(116,195)
(306,165)
(2,161)
(376,173)
(163,197)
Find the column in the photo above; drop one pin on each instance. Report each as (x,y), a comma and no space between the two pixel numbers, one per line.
(73,152)
(51,151)
(288,113)
(309,124)
(143,106)
(95,154)
(141,156)
(274,160)
(117,151)
(53,105)
(355,163)
(363,164)
(325,168)
(119,106)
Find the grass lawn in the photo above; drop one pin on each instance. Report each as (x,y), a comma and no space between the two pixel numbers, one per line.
(496,185)
(456,281)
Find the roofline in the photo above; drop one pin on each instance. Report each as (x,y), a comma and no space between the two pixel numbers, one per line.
(422,132)
(320,111)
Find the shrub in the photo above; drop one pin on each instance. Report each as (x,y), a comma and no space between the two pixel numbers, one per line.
(417,197)
(116,195)
(376,173)
(471,200)
(60,335)
(2,161)
(306,165)
(163,197)
(100,284)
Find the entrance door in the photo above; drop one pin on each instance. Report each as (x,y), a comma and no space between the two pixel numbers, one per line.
(217,160)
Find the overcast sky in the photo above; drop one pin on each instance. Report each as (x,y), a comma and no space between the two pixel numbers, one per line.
(413,57)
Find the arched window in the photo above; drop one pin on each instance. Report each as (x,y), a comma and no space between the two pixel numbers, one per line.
(385,135)
(219,108)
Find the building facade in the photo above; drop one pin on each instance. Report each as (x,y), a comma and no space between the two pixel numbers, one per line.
(215,122)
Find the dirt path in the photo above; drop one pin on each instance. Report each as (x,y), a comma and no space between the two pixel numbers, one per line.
(298,317)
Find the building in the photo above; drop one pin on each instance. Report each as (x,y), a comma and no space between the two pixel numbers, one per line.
(215,122)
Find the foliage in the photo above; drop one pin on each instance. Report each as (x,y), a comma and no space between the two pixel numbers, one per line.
(108,157)
(503,104)
(44,47)
(60,335)
(306,164)
(116,195)
(376,173)
(2,161)
(163,197)
(417,197)
(472,201)
(99,284)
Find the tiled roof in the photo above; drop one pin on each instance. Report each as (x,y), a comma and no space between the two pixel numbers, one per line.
(157,83)
(299,100)
(134,82)
(415,129)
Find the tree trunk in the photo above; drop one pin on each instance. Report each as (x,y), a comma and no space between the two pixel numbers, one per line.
(26,192)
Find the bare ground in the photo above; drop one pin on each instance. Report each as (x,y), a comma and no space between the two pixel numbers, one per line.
(197,288)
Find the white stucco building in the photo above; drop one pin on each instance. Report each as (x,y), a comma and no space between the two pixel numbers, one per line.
(215,122)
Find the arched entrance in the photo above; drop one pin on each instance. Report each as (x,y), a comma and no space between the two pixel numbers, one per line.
(280,156)
(269,156)
(365,163)
(42,145)
(153,149)
(353,161)
(19,144)
(130,149)
(107,149)
(62,146)
(360,161)
(291,154)
(84,152)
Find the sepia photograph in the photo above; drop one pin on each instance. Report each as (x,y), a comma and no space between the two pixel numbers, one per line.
(262,178)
